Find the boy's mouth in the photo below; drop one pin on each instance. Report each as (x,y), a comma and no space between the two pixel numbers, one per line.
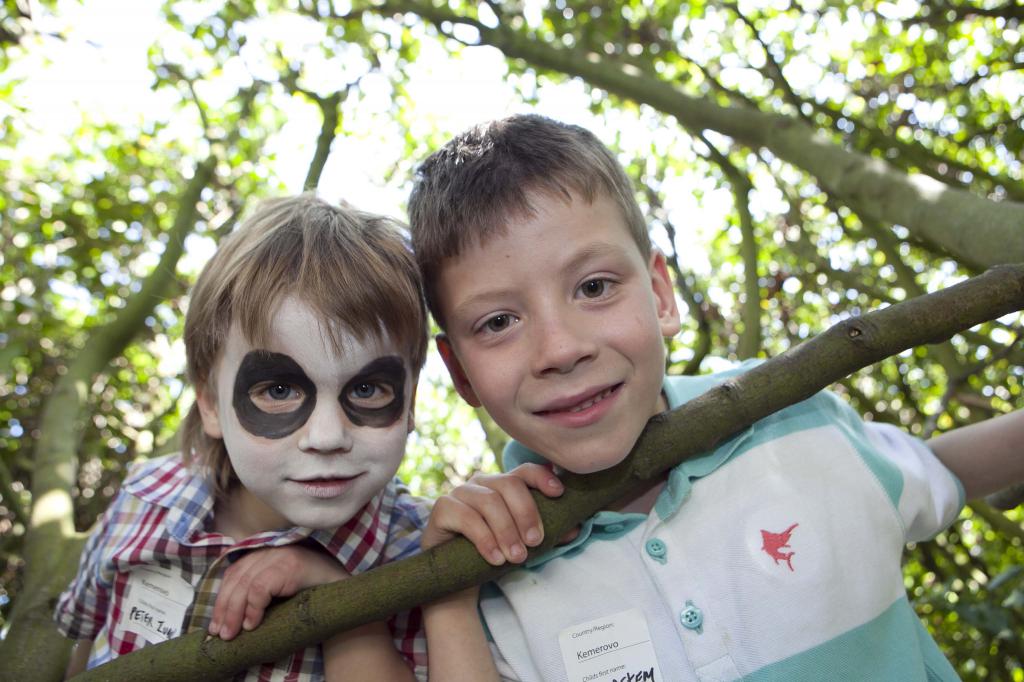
(579,403)
(325,487)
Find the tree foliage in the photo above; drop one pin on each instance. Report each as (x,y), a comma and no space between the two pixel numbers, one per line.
(800,162)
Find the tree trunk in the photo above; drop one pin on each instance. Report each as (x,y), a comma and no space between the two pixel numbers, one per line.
(33,649)
(315,614)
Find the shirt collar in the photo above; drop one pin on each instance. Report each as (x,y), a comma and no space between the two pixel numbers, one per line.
(169,483)
(608,525)
(359,544)
(187,496)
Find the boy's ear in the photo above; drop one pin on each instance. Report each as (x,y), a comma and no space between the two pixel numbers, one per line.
(459,377)
(208,413)
(664,295)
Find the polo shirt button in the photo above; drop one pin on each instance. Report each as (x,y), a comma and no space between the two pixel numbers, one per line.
(614,528)
(656,549)
(691,617)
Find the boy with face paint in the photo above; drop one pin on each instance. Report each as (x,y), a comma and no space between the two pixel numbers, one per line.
(304,338)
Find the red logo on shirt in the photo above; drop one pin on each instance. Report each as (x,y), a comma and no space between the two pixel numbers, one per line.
(774,543)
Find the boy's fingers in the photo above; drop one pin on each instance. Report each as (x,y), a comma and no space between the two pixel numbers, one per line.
(231,602)
(490,502)
(249,602)
(252,582)
(522,507)
(246,582)
(224,593)
(539,477)
(253,615)
(262,590)
(454,517)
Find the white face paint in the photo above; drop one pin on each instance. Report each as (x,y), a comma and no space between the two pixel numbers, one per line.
(322,472)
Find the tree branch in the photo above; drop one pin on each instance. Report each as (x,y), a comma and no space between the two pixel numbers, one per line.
(933,211)
(772,69)
(698,426)
(750,340)
(330,110)
(698,307)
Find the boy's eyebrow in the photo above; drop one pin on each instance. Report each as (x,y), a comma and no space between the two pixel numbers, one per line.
(478,299)
(575,262)
(589,253)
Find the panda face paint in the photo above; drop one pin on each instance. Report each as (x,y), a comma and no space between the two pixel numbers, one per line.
(273,397)
(312,433)
(266,388)
(376,396)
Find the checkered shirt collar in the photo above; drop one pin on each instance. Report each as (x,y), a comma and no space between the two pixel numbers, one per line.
(359,544)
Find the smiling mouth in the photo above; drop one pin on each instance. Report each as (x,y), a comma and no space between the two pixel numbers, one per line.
(585,404)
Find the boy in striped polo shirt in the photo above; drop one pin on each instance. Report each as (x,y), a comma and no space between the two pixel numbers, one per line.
(775,556)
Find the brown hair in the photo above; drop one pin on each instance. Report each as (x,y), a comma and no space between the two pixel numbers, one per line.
(352,268)
(466,191)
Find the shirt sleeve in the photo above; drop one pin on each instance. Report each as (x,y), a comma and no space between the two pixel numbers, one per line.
(931,496)
(81,610)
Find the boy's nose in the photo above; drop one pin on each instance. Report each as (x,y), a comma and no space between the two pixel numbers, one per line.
(327,429)
(560,345)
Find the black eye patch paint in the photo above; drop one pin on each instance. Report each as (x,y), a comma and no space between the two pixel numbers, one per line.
(265,367)
(388,371)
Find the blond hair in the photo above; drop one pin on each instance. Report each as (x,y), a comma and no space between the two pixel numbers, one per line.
(352,268)
(467,191)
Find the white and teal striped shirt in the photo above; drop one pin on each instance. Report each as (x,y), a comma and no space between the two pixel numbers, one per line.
(786,540)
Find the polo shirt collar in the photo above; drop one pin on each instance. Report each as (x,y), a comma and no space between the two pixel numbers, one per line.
(609,525)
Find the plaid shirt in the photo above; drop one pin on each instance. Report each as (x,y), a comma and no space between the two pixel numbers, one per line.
(160,519)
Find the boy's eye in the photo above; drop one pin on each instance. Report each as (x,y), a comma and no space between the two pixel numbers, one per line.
(279,392)
(277,396)
(368,394)
(594,288)
(364,391)
(499,323)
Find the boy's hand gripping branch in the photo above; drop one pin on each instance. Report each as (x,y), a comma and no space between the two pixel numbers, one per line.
(316,614)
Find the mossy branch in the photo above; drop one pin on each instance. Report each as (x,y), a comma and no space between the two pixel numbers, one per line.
(315,614)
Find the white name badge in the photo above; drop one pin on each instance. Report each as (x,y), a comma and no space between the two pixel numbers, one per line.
(616,648)
(156,603)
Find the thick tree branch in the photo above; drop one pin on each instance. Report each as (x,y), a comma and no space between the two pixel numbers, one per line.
(933,211)
(314,615)
(867,136)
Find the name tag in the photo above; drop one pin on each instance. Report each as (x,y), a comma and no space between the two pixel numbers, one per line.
(616,648)
(156,603)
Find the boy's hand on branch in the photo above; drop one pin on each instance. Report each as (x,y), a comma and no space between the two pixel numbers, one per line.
(253,581)
(495,512)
